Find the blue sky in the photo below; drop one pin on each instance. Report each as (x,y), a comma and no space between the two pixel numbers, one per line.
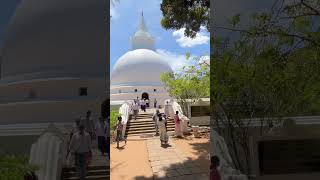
(171,44)
(7,8)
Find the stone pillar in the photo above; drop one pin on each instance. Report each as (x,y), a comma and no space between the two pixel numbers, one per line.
(47,153)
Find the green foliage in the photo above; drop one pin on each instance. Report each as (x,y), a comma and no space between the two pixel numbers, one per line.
(113,119)
(189,14)
(271,71)
(14,167)
(192,82)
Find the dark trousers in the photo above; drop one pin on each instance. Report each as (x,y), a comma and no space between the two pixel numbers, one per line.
(80,163)
(108,146)
(102,144)
(119,137)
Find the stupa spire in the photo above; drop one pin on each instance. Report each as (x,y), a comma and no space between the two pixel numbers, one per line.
(142,39)
(142,25)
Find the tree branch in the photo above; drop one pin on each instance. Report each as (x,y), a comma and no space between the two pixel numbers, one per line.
(310,7)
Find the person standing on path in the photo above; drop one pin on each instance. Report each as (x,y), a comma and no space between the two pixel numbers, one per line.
(119,128)
(147,103)
(143,105)
(164,138)
(166,110)
(214,173)
(135,110)
(177,122)
(80,146)
(155,103)
(99,128)
(107,136)
(155,119)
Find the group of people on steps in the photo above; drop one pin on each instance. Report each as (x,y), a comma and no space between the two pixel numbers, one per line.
(84,132)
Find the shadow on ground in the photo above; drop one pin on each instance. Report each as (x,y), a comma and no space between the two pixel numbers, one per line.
(195,167)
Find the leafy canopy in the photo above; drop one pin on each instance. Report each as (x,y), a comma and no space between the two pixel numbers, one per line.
(188,14)
(191,82)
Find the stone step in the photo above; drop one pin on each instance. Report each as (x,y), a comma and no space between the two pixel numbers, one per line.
(145,114)
(145,128)
(97,172)
(99,177)
(90,167)
(144,131)
(143,117)
(146,125)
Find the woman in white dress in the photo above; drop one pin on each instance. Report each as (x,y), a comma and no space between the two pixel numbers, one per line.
(164,138)
(166,110)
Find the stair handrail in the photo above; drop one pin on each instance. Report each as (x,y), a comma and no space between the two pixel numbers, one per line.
(47,153)
(125,111)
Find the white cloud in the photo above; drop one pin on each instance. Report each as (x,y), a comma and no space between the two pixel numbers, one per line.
(113,11)
(200,38)
(205,59)
(176,61)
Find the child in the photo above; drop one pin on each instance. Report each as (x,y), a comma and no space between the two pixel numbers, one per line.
(214,173)
(119,128)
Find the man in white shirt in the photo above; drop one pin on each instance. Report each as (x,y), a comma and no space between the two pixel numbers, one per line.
(135,110)
(143,105)
(88,124)
(80,146)
(100,127)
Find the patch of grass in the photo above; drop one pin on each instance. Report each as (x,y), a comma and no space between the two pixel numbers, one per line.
(113,119)
(114,108)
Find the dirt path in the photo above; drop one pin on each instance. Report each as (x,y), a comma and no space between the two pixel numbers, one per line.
(195,148)
(131,162)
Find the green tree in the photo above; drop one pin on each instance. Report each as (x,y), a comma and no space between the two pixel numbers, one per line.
(191,83)
(270,71)
(189,14)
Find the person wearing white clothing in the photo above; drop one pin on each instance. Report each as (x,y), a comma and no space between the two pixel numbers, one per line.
(80,147)
(135,110)
(166,110)
(143,105)
(100,127)
(155,119)
(88,124)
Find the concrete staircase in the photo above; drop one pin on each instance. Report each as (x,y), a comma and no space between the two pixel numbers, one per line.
(144,125)
(99,169)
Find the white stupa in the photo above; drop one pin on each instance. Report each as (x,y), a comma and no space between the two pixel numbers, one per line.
(137,72)
(53,64)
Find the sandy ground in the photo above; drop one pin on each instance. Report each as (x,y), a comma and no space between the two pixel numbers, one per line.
(130,162)
(195,148)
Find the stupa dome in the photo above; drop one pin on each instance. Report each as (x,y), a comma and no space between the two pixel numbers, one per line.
(139,67)
(142,65)
(45,37)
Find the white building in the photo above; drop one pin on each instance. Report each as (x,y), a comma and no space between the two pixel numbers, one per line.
(53,66)
(137,72)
